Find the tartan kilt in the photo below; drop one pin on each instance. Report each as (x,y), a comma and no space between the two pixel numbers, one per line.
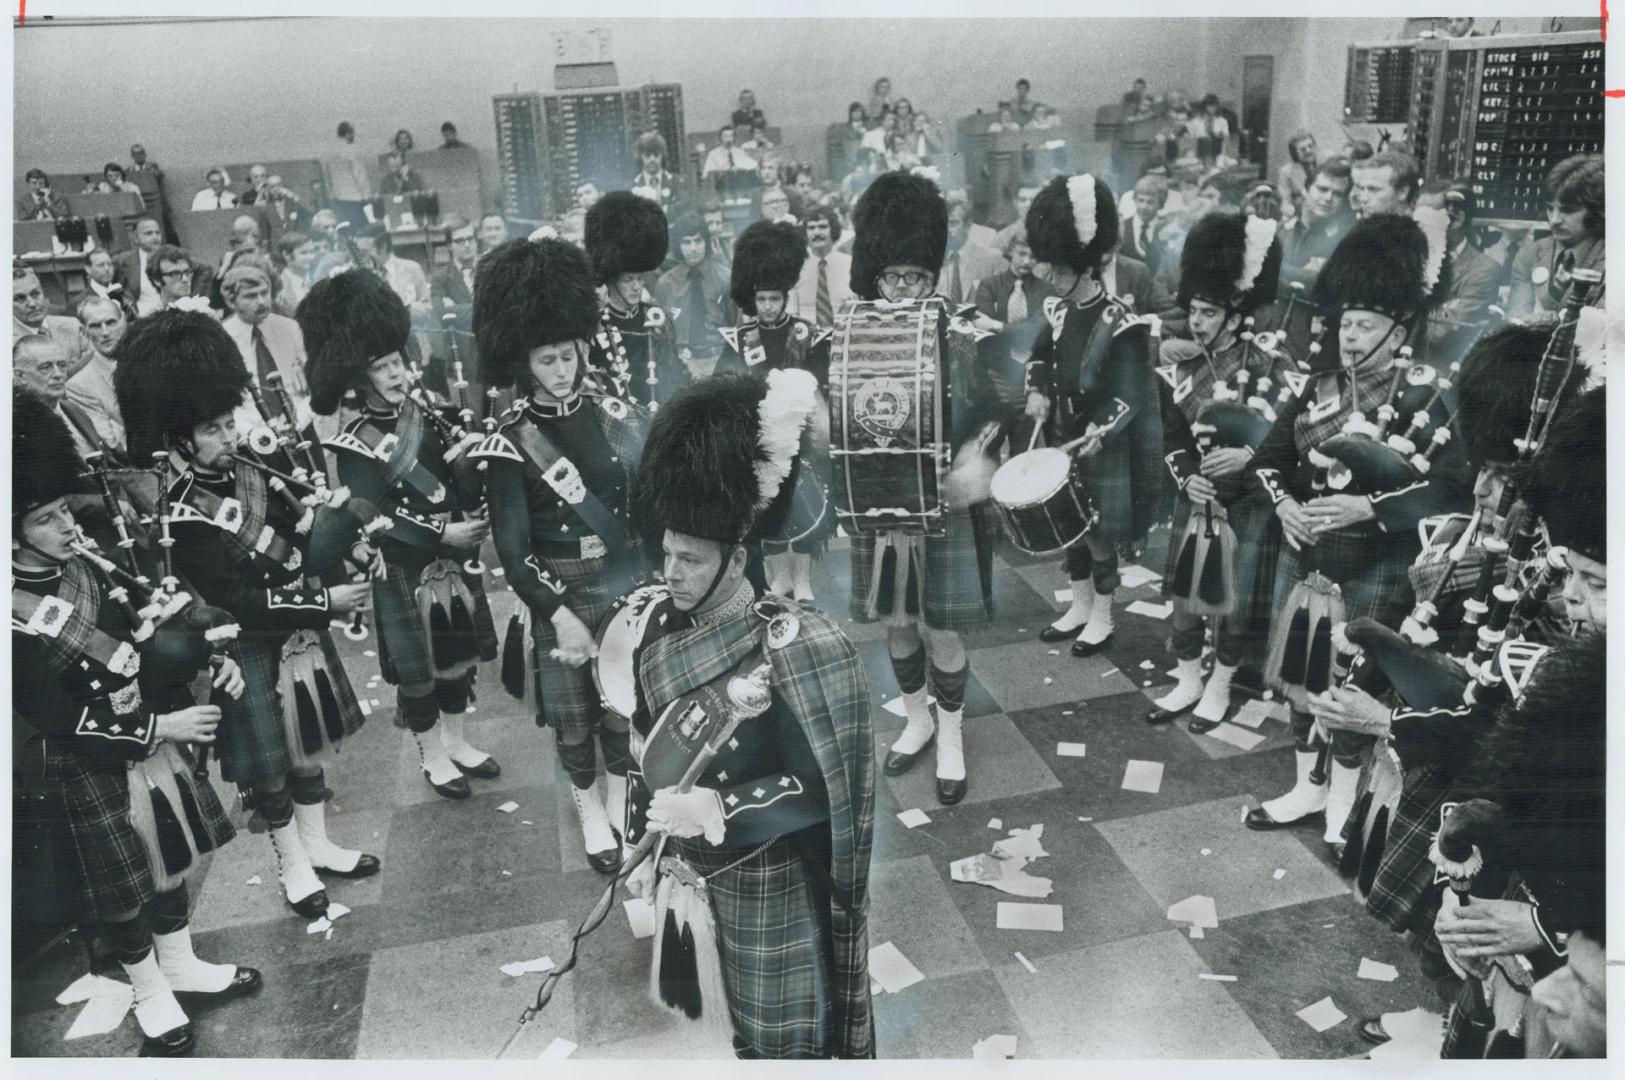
(102,860)
(404,659)
(1371,567)
(255,738)
(251,742)
(566,697)
(1258,549)
(945,582)
(775,946)
(1402,894)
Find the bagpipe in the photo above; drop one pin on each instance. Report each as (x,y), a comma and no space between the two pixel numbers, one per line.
(1238,416)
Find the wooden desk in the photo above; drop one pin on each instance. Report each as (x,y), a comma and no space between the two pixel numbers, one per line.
(122,209)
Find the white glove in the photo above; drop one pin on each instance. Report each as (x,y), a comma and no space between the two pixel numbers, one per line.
(695,813)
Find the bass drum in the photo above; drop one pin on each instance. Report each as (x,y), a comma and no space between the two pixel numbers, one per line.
(614,669)
(888,444)
(1042,501)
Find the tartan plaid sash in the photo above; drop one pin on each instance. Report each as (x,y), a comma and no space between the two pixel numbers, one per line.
(1368,390)
(65,624)
(539,449)
(403,453)
(242,521)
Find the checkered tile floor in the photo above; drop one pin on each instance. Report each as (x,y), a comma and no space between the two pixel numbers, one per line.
(414,971)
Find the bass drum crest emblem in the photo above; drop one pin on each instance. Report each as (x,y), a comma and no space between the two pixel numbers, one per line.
(882,408)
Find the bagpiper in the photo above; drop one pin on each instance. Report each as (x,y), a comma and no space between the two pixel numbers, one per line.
(401,456)
(179,381)
(97,741)
(634,348)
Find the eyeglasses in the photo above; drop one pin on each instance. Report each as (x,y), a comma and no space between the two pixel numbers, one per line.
(907,278)
(176,275)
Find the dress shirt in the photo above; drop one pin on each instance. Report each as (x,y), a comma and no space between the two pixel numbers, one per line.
(287,346)
(410,283)
(92,390)
(804,299)
(207,199)
(724,158)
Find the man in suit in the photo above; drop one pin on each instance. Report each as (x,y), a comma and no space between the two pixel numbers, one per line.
(1141,228)
(1574,212)
(173,275)
(824,285)
(39,203)
(654,182)
(268,342)
(215,196)
(399,177)
(102,277)
(259,183)
(1024,199)
(1014,299)
(91,389)
(453,286)
(1133,281)
(31,317)
(282,211)
(1326,218)
(405,276)
(131,267)
(967,261)
(146,175)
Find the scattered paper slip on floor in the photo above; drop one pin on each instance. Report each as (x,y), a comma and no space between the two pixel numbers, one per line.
(994,1048)
(101,1014)
(1030,917)
(557,1050)
(336,911)
(1143,776)
(527,967)
(1376,971)
(1210,977)
(320,926)
(89,986)
(1146,665)
(1207,851)
(1252,714)
(1240,738)
(1063,596)
(508,807)
(891,969)
(1279,874)
(369,652)
(995,823)
(1196,910)
(1323,1015)
(640,916)
(255,880)
(914,818)
(1132,577)
(366,709)
(1070,749)
(1150,610)
(1026,963)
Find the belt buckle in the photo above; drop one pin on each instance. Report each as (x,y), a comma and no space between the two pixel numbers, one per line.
(593,547)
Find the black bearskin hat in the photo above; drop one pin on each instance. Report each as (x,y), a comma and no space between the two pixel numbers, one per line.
(1053,226)
(900,220)
(767,256)
(1216,258)
(1567,483)
(1382,265)
(175,370)
(44,464)
(719,454)
(1496,385)
(529,293)
(626,234)
(349,320)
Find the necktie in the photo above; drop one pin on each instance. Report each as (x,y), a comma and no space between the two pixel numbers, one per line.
(1141,242)
(468,279)
(953,278)
(265,363)
(696,309)
(1018,304)
(824,309)
(1560,279)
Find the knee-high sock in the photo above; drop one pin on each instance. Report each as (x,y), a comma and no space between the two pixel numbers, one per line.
(950,688)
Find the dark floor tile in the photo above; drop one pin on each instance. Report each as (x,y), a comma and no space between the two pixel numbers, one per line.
(944,1017)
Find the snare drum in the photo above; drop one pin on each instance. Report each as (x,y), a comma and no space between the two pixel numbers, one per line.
(1041,499)
(888,443)
(614,669)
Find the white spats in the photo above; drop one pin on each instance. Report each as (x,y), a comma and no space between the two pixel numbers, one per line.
(1340,800)
(595,832)
(1099,626)
(920,725)
(322,852)
(1216,695)
(432,754)
(1187,689)
(293,867)
(156,1009)
(453,728)
(1083,602)
(182,968)
(1306,796)
(950,744)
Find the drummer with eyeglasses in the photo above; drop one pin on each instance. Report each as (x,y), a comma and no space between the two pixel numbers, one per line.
(927,587)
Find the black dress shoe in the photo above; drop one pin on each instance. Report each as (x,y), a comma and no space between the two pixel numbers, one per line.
(245,981)
(1162,716)
(1259,820)
(366,866)
(455,788)
(1084,648)
(1201,725)
(176,1042)
(485,770)
(1052,635)
(897,764)
(313,906)
(605,862)
(1372,1031)
(950,792)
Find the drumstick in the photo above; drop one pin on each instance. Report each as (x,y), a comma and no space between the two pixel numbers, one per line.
(1038,429)
(1068,447)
